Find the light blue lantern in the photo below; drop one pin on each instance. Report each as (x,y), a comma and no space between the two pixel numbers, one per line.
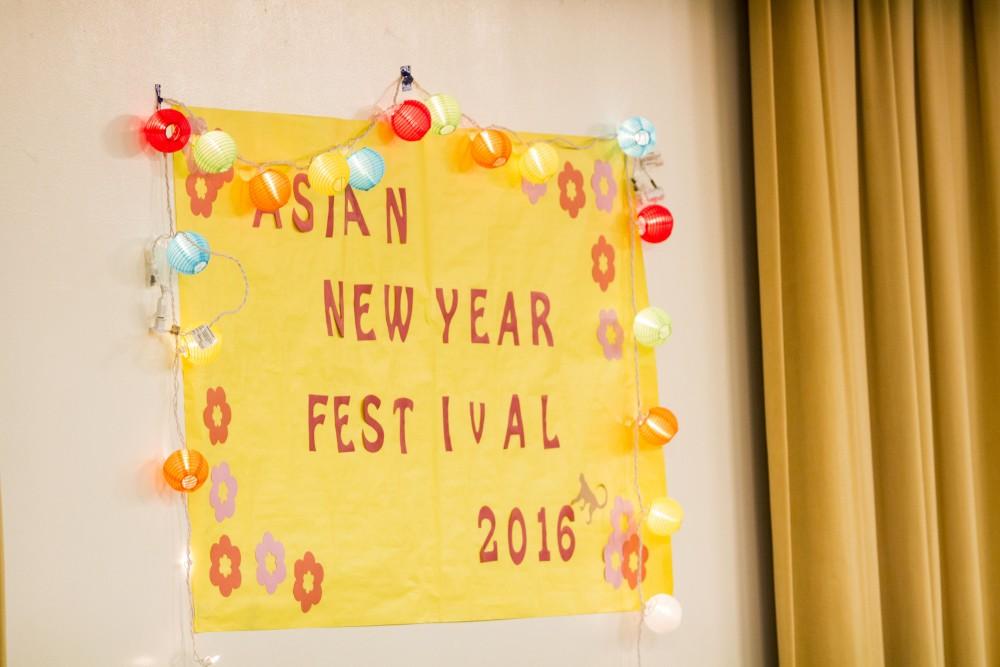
(188,253)
(636,136)
(367,169)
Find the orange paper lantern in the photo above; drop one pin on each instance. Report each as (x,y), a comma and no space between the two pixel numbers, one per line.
(491,148)
(270,190)
(185,470)
(658,427)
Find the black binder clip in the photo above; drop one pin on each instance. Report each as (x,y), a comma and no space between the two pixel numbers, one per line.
(407,78)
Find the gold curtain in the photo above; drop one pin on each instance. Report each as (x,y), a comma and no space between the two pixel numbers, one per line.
(877,163)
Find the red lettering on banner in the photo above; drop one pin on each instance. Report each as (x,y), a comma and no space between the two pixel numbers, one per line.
(539,319)
(395,322)
(508,323)
(334,309)
(514,415)
(314,419)
(401,405)
(375,444)
(352,213)
(476,314)
(360,310)
(392,211)
(339,421)
(447,313)
(477,432)
(445,423)
(302,224)
(277,218)
(547,442)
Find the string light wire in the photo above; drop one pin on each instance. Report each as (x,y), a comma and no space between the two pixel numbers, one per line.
(630,172)
(301,163)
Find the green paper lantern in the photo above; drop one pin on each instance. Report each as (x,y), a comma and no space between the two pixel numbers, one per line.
(652,326)
(215,152)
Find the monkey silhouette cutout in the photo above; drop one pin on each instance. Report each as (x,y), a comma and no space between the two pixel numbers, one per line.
(588,499)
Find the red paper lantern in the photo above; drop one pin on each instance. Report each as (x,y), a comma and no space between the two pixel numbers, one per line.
(167,130)
(655,223)
(412,120)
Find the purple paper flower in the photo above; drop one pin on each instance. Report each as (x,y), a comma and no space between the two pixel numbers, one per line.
(610,334)
(265,576)
(222,477)
(533,190)
(604,198)
(622,510)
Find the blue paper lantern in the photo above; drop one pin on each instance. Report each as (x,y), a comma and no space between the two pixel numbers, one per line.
(367,169)
(188,253)
(636,136)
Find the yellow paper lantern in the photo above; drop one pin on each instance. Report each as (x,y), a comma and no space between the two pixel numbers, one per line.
(270,190)
(329,173)
(539,162)
(199,346)
(665,516)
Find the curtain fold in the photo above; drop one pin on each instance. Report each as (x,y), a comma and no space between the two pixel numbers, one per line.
(877,165)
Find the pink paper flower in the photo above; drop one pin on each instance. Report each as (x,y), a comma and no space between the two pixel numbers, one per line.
(610,334)
(571,203)
(221,477)
(603,271)
(604,198)
(533,190)
(265,576)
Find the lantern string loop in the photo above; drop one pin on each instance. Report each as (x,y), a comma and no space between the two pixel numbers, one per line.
(246,289)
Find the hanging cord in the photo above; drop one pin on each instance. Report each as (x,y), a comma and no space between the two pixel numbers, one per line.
(302,163)
(561,142)
(630,171)
(177,409)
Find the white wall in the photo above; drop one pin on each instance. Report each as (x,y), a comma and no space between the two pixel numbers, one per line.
(91,551)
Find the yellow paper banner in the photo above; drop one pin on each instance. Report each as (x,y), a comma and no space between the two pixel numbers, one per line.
(423,414)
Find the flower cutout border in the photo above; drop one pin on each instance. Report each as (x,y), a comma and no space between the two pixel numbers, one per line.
(570,175)
(534,191)
(610,334)
(604,198)
(218,432)
(226,583)
(265,576)
(221,476)
(308,565)
(603,275)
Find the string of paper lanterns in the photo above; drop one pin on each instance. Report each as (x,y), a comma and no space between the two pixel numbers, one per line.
(332,170)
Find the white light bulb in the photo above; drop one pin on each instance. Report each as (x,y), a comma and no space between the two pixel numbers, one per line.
(662,613)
